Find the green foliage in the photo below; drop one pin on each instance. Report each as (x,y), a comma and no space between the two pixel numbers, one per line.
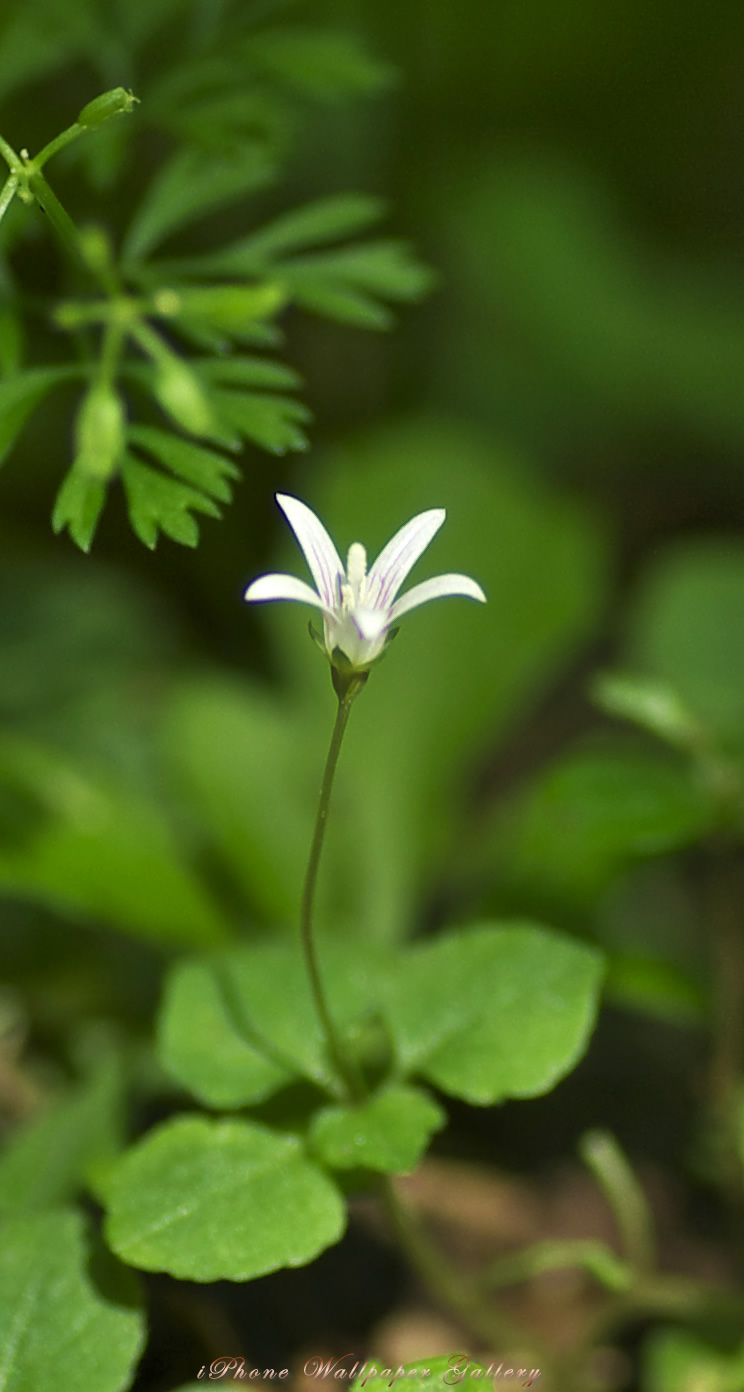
(95,847)
(607,328)
(205,468)
(68,1145)
(390,1132)
(64,1303)
(157,503)
(452,1007)
(228,139)
(458,1006)
(675,1361)
(206,1200)
(596,812)
(687,631)
(238,1028)
(215,729)
(257,1001)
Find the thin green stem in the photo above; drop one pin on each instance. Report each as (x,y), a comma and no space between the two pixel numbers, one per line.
(351,1082)
(556,1255)
(65,137)
(601,1152)
(113,339)
(13,160)
(8,193)
(58,216)
(152,344)
(488,1325)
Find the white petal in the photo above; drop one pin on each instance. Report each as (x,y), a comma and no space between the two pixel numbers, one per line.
(399,556)
(282,587)
(439,588)
(320,553)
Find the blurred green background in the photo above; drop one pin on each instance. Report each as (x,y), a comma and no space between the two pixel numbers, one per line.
(571,391)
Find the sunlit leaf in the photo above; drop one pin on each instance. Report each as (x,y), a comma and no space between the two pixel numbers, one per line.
(390,1132)
(209,1200)
(494,1011)
(265,1027)
(207,1044)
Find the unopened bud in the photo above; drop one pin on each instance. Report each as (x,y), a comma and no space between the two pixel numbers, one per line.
(231,307)
(181,395)
(100,432)
(117,102)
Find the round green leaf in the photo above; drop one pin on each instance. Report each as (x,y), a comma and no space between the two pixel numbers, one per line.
(390,1132)
(64,1321)
(260,1025)
(209,1200)
(207,1048)
(494,1011)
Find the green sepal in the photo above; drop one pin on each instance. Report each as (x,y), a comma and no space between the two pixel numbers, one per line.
(347,681)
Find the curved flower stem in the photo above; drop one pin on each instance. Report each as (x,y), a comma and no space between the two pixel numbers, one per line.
(456,1292)
(347,1074)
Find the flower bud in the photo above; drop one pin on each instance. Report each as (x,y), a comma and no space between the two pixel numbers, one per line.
(180,393)
(231,307)
(100,432)
(117,102)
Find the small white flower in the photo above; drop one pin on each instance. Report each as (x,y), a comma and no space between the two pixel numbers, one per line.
(359,606)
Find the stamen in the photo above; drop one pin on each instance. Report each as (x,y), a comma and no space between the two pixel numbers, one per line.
(356,565)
